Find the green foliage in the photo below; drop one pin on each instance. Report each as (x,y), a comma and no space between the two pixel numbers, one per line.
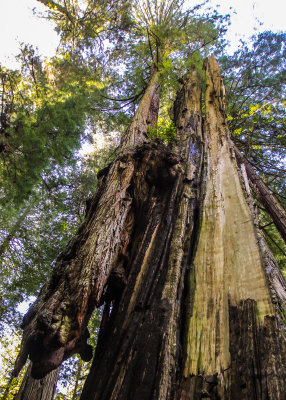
(255,78)
(42,121)
(128,39)
(9,349)
(165,131)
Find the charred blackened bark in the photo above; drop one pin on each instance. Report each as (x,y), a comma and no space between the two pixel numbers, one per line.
(55,326)
(265,196)
(38,389)
(139,344)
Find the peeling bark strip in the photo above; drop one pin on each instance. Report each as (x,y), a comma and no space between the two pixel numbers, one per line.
(265,196)
(55,326)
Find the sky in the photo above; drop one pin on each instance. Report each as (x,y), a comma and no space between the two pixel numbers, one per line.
(19,24)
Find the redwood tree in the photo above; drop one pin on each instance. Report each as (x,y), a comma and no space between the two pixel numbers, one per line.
(193,299)
(200,315)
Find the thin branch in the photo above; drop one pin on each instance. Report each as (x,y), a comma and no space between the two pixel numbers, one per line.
(52,5)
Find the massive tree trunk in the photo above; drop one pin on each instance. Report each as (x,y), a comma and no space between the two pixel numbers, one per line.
(193,298)
(55,326)
(200,315)
(38,389)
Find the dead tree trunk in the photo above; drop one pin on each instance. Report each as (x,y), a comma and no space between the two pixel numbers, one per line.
(38,389)
(200,315)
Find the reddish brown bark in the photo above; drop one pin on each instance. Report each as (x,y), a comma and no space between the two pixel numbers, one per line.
(136,349)
(265,196)
(55,326)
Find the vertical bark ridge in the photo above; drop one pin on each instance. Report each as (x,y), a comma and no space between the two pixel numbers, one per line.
(188,120)
(145,116)
(55,326)
(231,302)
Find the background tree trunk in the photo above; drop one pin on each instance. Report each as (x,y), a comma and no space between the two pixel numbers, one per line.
(38,389)
(265,196)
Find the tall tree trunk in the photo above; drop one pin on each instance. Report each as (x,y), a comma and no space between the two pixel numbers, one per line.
(38,389)
(193,298)
(265,196)
(200,315)
(234,347)
(55,326)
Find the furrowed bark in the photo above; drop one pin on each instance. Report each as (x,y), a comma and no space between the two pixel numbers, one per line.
(138,347)
(235,348)
(265,196)
(55,326)
(38,389)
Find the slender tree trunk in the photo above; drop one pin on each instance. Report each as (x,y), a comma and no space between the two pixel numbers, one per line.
(200,315)
(55,326)
(38,389)
(77,378)
(265,196)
